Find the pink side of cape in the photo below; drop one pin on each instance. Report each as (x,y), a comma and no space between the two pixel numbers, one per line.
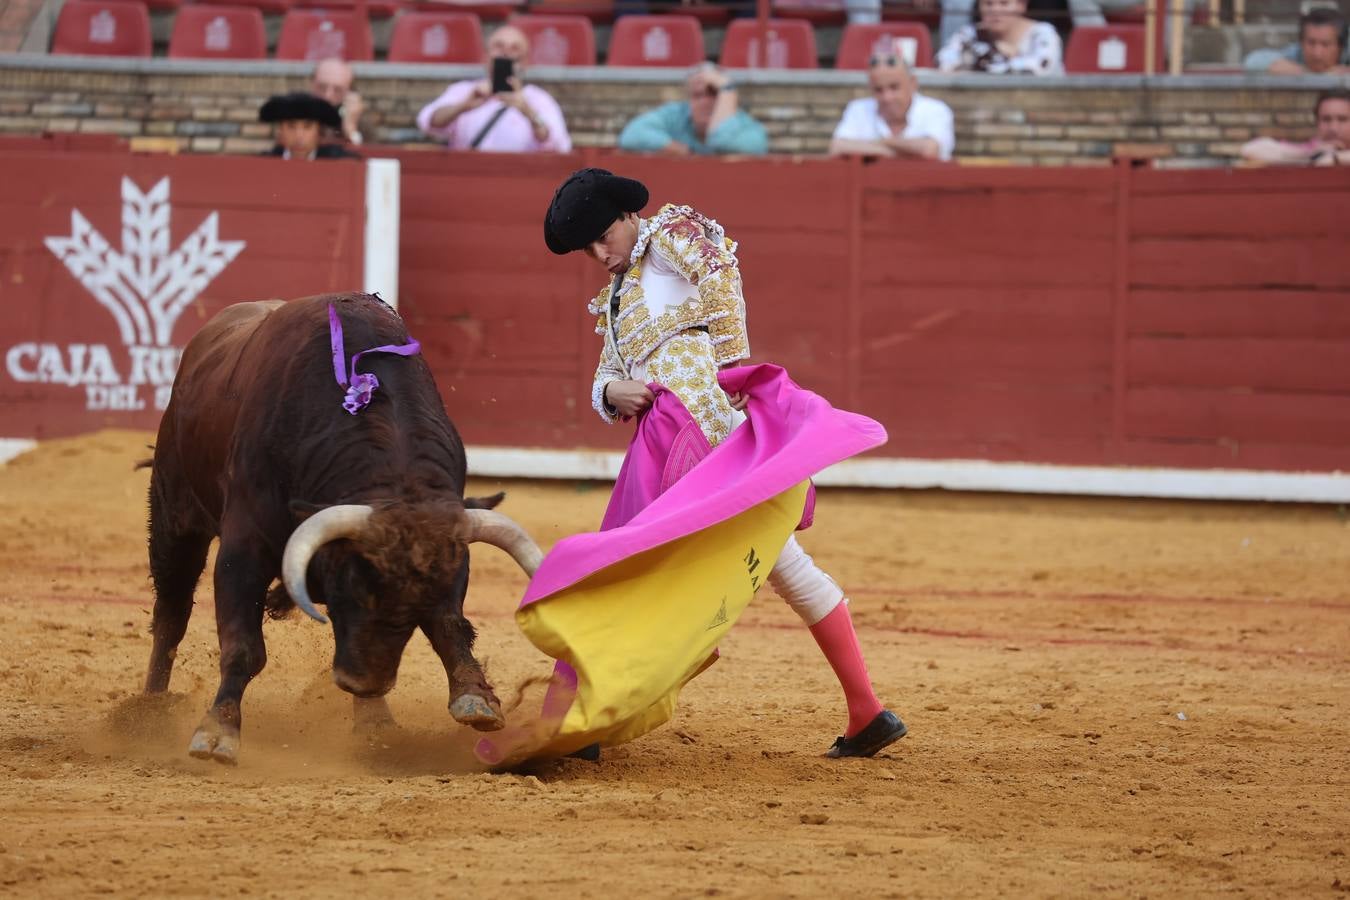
(791,435)
(667,443)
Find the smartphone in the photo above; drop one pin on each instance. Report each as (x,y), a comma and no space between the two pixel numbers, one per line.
(502,71)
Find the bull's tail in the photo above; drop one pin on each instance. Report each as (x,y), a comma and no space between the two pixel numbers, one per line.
(278,602)
(484,502)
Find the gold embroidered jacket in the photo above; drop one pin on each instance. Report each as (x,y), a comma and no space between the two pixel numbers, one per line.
(683,275)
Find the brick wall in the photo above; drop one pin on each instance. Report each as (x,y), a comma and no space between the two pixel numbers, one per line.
(1084,120)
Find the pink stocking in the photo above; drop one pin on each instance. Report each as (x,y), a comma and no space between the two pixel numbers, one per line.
(839,642)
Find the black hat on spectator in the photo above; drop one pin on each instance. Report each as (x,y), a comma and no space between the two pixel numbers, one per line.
(302,106)
(588,202)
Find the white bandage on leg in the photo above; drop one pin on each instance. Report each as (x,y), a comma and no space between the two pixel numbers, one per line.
(796,578)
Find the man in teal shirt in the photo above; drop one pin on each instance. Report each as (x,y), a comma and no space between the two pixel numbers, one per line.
(708,122)
(1321,48)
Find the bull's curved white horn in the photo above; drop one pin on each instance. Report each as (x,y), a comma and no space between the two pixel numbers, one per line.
(491,527)
(329,524)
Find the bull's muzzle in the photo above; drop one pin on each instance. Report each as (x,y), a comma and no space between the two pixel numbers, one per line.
(362,686)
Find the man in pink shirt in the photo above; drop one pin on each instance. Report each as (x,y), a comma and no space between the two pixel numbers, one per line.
(469,116)
(1330,146)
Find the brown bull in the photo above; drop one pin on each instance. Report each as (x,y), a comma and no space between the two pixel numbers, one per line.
(255,439)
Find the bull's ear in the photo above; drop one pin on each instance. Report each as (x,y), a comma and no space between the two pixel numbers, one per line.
(303,509)
(484,502)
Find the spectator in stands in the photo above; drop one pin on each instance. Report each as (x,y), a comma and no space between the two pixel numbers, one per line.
(1063,15)
(469,116)
(708,122)
(896,121)
(1320,49)
(300,119)
(868,12)
(1004,41)
(333,82)
(1330,146)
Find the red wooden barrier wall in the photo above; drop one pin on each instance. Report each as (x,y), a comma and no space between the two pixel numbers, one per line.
(1081,316)
(1077,316)
(1236,346)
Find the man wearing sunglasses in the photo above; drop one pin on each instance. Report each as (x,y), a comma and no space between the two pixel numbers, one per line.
(896,122)
(709,122)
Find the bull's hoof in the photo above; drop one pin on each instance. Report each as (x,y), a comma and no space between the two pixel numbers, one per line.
(477,713)
(209,743)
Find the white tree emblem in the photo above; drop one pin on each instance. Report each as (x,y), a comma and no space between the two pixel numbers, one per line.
(144,286)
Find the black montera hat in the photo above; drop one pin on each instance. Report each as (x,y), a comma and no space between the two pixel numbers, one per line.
(586,204)
(300,105)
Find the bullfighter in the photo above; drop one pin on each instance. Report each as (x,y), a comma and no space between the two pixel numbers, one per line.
(674,314)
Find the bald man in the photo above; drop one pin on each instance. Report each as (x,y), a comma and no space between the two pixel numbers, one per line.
(710,121)
(896,121)
(333,82)
(523,119)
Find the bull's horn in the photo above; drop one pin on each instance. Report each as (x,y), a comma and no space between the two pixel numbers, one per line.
(493,528)
(329,524)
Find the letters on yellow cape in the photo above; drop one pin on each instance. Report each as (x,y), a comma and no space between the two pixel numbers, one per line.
(638,630)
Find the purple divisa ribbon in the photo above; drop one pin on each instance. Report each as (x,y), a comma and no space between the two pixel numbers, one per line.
(361,386)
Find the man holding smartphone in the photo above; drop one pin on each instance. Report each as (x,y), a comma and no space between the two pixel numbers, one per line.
(332,80)
(500,113)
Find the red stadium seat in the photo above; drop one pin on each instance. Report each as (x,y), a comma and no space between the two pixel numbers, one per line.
(484,10)
(376,9)
(708,14)
(600,11)
(218,32)
(817,12)
(792,45)
(1137,16)
(558,40)
(929,13)
(267,7)
(436,37)
(1112,49)
(312,34)
(861,42)
(163,5)
(103,28)
(656,41)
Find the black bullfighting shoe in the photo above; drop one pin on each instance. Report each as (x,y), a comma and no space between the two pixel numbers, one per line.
(879,734)
(590,753)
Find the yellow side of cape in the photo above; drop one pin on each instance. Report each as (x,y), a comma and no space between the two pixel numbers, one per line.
(637,631)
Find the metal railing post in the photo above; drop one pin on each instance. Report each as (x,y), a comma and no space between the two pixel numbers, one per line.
(1150,37)
(761,59)
(1176,27)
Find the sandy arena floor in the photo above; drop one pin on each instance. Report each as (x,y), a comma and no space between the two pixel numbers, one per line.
(1043,651)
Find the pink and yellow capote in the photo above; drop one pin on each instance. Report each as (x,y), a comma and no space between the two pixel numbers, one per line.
(634,611)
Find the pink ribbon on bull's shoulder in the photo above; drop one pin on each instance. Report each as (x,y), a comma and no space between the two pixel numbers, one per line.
(360,386)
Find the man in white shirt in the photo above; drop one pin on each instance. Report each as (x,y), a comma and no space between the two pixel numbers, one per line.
(896,121)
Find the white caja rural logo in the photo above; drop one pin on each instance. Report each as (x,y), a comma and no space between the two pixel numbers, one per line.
(144,286)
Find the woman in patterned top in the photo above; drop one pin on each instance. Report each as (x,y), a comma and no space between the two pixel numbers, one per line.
(1004,41)
(674,315)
